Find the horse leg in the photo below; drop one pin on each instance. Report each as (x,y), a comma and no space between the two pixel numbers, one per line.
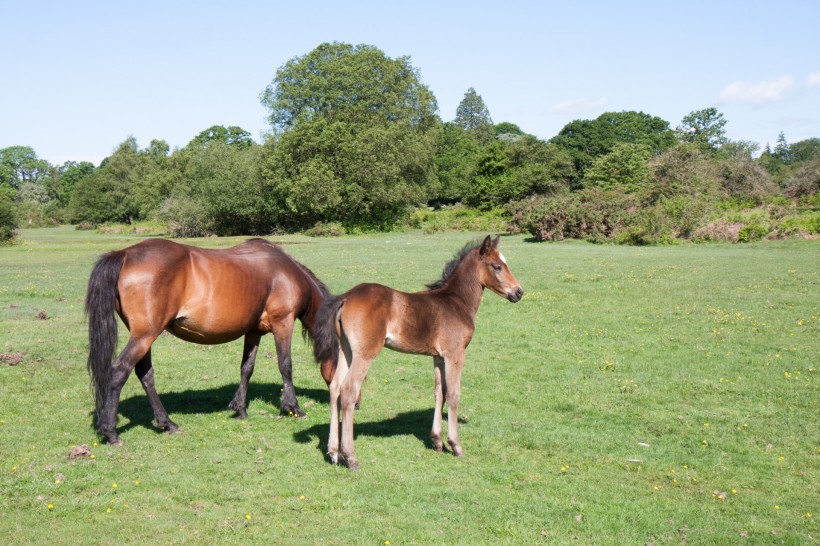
(239,402)
(440,393)
(282,333)
(134,351)
(334,389)
(145,373)
(351,387)
(452,371)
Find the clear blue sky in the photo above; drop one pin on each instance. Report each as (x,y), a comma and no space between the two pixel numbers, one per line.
(77,78)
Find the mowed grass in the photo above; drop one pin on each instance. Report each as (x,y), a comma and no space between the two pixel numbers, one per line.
(635,395)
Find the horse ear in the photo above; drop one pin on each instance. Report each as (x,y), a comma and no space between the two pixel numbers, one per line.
(496,241)
(486,245)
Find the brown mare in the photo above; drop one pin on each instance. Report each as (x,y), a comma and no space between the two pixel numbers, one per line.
(202,296)
(438,322)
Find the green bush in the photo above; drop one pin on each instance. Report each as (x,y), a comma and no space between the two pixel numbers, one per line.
(752,232)
(459,218)
(326,229)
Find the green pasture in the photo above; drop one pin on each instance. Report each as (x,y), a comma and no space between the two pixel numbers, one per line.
(635,395)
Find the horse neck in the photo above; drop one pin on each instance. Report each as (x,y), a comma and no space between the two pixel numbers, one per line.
(464,286)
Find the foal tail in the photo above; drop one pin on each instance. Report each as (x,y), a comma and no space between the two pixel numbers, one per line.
(326,338)
(100,299)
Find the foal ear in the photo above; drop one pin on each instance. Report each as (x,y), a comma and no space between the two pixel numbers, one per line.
(496,241)
(486,246)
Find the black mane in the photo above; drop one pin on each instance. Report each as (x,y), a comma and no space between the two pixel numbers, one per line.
(453,264)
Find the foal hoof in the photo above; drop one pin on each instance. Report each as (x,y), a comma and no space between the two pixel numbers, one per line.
(115,441)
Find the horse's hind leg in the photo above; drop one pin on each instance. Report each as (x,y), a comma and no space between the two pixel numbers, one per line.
(134,351)
(145,372)
(335,389)
(239,402)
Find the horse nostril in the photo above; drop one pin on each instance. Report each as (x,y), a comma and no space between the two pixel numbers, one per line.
(519,293)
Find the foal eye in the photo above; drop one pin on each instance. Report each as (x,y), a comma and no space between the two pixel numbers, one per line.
(497,267)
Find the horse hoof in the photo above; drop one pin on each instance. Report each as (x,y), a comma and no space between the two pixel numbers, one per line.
(438,446)
(353,464)
(116,441)
(334,458)
(293,412)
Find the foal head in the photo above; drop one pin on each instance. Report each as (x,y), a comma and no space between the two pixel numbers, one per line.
(493,272)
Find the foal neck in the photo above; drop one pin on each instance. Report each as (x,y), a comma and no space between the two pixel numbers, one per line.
(464,285)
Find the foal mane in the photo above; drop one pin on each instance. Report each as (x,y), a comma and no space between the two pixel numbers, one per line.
(452,265)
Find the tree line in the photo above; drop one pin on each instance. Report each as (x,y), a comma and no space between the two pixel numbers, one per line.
(356,142)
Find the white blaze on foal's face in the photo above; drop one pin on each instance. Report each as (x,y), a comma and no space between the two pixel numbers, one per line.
(503,259)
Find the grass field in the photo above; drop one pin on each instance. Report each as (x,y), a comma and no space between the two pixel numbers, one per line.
(657,395)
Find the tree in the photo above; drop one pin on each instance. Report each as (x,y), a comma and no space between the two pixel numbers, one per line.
(513,170)
(9,220)
(71,173)
(344,83)
(704,128)
(456,155)
(20,164)
(473,116)
(805,150)
(625,167)
(233,135)
(587,140)
(355,135)
(781,149)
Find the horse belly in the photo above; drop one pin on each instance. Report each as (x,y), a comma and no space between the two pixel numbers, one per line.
(207,327)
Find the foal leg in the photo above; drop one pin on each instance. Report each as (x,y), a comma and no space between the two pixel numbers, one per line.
(351,387)
(239,402)
(453,380)
(145,373)
(134,351)
(335,389)
(440,393)
(283,332)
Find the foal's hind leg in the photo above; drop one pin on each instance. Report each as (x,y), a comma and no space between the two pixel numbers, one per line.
(145,373)
(239,402)
(440,393)
(452,370)
(134,351)
(334,389)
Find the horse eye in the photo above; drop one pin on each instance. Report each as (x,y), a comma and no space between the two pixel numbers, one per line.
(497,267)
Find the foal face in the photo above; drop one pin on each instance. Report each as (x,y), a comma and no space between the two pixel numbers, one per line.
(494,273)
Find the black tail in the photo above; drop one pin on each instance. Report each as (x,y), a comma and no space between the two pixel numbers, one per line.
(100,299)
(325,340)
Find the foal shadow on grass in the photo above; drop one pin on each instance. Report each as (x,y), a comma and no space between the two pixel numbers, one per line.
(416,423)
(137,409)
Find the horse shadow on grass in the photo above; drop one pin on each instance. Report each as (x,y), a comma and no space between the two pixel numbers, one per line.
(410,423)
(137,410)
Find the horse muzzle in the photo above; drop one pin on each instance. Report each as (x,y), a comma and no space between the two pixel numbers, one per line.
(516,295)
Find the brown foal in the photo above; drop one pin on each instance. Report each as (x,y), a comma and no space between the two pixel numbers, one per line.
(438,322)
(202,296)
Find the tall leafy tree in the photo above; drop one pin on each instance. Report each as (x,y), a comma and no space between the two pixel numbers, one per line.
(706,128)
(233,135)
(587,140)
(474,117)
(355,136)
(20,164)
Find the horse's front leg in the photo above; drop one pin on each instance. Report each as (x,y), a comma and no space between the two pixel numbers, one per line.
(288,405)
(439,393)
(452,371)
(239,402)
(145,373)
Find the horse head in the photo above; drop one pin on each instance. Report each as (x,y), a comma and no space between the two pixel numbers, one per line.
(493,272)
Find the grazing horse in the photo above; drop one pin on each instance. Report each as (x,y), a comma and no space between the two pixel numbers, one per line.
(438,322)
(202,296)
